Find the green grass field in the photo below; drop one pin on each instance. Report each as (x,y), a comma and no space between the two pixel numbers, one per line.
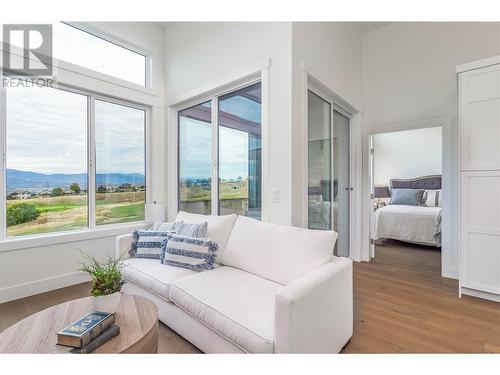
(71,212)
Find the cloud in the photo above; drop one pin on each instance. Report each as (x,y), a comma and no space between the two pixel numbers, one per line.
(47,133)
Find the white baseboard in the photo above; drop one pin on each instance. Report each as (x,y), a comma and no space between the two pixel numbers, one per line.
(40,286)
(481,294)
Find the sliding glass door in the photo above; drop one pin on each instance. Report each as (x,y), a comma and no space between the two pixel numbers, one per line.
(228,126)
(328,170)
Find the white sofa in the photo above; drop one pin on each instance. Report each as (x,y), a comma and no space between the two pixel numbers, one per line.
(278,289)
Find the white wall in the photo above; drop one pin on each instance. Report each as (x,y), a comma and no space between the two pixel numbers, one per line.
(30,270)
(331,52)
(200,54)
(407,154)
(408,74)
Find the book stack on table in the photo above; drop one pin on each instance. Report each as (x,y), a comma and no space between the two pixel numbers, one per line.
(88,333)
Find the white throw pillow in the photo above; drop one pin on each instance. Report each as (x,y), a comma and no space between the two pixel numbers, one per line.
(277,252)
(432,198)
(218,227)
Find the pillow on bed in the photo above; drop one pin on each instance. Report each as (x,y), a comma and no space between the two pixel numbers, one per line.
(432,198)
(408,197)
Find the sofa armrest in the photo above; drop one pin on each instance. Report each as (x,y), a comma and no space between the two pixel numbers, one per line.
(314,314)
(123,243)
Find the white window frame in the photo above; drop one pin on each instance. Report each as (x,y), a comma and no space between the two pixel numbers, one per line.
(103,87)
(212,94)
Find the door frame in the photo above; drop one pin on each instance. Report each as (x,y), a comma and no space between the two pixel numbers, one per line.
(447,255)
(338,103)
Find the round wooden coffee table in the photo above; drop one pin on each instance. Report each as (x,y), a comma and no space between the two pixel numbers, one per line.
(136,316)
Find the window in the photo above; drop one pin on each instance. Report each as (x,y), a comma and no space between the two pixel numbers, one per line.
(46,161)
(120,163)
(49,168)
(80,47)
(238,146)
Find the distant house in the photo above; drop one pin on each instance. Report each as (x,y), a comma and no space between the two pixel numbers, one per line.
(45,193)
(20,195)
(68,192)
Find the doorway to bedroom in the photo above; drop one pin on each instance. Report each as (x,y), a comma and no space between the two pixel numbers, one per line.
(406,197)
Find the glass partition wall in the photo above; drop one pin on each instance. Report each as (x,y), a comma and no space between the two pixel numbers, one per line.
(233,134)
(328,170)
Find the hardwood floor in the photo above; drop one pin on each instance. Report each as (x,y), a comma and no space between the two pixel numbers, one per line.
(401,305)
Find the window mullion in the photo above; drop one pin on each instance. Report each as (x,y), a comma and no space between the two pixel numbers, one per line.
(91,156)
(215,156)
(3,161)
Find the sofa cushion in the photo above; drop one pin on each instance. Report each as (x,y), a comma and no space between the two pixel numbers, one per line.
(277,252)
(152,275)
(237,305)
(218,227)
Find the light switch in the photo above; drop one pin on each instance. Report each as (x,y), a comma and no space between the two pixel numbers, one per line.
(276,196)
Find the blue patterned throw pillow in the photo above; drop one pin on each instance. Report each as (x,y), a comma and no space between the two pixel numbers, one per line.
(197,254)
(147,244)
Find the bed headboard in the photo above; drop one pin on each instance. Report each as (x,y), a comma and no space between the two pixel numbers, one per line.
(424,182)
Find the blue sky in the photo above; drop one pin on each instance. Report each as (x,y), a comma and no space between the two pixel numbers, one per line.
(196,139)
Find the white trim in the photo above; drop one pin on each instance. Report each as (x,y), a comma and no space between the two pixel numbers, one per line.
(478,64)
(3,160)
(479,294)
(447,267)
(215,156)
(91,163)
(265,142)
(30,288)
(90,80)
(214,90)
(311,82)
(109,230)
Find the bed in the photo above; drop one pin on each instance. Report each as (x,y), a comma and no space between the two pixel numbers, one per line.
(414,224)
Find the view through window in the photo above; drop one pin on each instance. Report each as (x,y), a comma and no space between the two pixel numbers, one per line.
(47,157)
(46,160)
(195,159)
(239,155)
(120,163)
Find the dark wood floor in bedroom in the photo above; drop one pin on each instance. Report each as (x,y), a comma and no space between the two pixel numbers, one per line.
(401,305)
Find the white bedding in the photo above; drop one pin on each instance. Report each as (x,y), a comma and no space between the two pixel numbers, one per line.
(416,224)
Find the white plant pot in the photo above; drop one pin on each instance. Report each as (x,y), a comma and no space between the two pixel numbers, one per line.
(108,304)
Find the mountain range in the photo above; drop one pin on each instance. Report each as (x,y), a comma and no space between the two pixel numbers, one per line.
(34,181)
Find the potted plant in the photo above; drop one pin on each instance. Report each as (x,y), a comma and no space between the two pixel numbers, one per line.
(107,281)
